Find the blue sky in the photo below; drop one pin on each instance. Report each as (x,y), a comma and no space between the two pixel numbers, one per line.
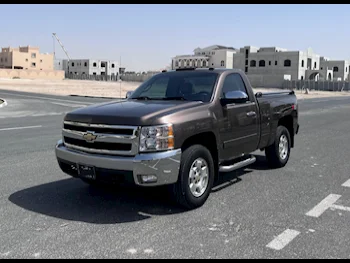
(147,36)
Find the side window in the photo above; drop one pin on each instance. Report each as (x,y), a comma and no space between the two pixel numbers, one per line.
(233,82)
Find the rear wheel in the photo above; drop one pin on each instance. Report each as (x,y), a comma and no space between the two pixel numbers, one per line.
(278,153)
(196,177)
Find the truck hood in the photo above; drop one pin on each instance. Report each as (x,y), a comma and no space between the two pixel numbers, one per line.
(128,112)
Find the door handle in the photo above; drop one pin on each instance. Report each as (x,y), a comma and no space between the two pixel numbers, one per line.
(251,113)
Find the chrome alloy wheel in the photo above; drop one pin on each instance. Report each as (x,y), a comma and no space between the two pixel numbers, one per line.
(198,179)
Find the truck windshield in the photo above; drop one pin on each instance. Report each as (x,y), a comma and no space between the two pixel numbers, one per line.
(178,85)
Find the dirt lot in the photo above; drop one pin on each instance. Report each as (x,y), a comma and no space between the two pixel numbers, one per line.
(107,89)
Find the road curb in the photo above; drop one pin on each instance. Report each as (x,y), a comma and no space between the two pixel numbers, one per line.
(3,103)
(94,97)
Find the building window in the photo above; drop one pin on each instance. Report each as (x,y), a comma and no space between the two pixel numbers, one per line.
(94,73)
(246,69)
(188,63)
(41,61)
(204,63)
(321,68)
(103,73)
(335,69)
(33,64)
(112,65)
(287,63)
(33,55)
(246,62)
(253,63)
(203,53)
(346,69)
(276,63)
(72,64)
(269,63)
(176,63)
(315,65)
(262,63)
(26,60)
(213,53)
(71,73)
(83,73)
(302,63)
(222,64)
(103,65)
(85,64)
(302,77)
(94,65)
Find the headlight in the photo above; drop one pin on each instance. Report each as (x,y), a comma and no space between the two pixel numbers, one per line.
(156,138)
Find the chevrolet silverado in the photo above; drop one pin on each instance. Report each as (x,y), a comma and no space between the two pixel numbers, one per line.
(180,128)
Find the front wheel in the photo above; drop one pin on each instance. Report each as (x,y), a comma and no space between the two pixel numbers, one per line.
(196,177)
(278,153)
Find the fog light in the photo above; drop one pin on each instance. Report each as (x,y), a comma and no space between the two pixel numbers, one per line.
(148,179)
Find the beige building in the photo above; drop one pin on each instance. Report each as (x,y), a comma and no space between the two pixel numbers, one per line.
(28,58)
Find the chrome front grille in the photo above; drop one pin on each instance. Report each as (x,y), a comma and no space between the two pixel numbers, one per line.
(101,138)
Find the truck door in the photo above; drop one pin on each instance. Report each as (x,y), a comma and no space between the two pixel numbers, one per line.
(239,131)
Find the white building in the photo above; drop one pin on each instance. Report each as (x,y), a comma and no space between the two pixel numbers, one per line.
(215,56)
(275,61)
(340,68)
(267,66)
(88,67)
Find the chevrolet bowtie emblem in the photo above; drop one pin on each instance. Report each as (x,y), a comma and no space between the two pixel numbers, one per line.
(89,136)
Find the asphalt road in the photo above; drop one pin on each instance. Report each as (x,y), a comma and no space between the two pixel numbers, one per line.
(300,211)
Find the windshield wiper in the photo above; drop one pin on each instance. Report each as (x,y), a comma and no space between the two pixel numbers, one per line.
(175,98)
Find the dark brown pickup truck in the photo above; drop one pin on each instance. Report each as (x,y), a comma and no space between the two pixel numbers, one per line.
(179,128)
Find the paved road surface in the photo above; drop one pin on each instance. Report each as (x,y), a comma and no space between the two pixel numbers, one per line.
(300,211)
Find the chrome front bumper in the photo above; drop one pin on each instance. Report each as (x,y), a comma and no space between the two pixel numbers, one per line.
(164,165)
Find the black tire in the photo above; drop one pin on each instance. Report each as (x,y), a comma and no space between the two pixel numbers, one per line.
(272,152)
(181,190)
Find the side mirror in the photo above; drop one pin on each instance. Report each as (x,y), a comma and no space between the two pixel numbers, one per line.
(128,94)
(234,97)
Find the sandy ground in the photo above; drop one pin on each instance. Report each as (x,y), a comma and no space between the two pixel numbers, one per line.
(109,89)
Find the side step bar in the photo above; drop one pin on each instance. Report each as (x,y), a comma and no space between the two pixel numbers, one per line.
(230,168)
